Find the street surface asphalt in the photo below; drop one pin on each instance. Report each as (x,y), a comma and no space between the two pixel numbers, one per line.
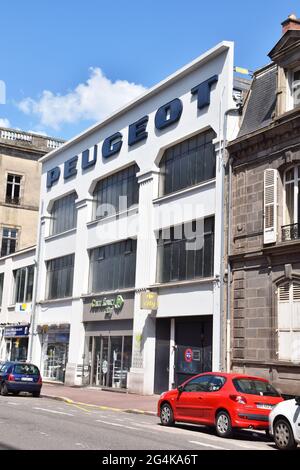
(46,424)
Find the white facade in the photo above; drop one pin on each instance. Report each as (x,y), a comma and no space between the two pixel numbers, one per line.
(14,315)
(197,298)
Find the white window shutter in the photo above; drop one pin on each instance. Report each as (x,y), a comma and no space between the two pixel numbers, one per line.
(270,205)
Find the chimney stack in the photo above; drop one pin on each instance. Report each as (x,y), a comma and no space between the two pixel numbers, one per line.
(291,23)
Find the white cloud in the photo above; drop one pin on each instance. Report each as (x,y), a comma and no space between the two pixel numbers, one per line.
(4,122)
(93,100)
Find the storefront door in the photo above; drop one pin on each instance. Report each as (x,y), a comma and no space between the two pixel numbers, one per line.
(112,361)
(193,338)
(55,361)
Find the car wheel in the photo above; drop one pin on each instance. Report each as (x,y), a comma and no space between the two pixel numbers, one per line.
(36,394)
(283,435)
(166,415)
(223,424)
(4,390)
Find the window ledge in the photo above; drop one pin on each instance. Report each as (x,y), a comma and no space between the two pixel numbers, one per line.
(107,292)
(182,192)
(61,234)
(54,301)
(118,215)
(204,280)
(11,307)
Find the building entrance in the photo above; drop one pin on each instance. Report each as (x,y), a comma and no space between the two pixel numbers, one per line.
(111,360)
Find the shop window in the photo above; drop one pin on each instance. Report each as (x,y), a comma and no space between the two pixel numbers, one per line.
(13,189)
(186,251)
(60,272)
(188,163)
(63,214)
(116,193)
(9,241)
(23,279)
(112,267)
(1,287)
(289,322)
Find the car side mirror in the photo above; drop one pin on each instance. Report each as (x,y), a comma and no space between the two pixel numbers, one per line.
(297,399)
(180,388)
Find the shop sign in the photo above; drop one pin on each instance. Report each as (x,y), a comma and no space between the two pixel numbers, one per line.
(149,301)
(108,305)
(16,331)
(165,116)
(23,307)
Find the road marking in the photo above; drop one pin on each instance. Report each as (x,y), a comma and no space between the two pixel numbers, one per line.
(80,407)
(250,446)
(116,424)
(209,445)
(53,411)
(12,403)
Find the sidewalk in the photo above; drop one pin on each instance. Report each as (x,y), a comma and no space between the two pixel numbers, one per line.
(91,396)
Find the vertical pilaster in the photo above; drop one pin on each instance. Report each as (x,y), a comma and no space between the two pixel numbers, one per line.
(141,377)
(80,286)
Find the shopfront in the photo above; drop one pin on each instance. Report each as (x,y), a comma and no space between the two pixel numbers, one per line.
(16,339)
(55,345)
(108,349)
(184,344)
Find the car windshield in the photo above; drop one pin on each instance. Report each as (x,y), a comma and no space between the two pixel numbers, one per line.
(29,369)
(255,387)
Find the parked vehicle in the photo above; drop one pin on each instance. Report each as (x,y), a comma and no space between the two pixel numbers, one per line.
(16,377)
(225,401)
(284,424)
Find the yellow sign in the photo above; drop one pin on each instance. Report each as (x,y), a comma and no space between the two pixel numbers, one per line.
(149,301)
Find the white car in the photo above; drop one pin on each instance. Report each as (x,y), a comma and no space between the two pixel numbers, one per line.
(284,424)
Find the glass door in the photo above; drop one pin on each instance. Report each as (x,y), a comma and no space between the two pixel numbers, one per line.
(55,361)
(111,360)
(115,361)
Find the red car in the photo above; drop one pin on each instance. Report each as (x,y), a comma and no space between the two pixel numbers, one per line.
(225,401)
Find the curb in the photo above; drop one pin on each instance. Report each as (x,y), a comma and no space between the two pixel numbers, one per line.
(100,407)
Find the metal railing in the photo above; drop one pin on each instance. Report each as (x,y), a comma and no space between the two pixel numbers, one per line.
(290,232)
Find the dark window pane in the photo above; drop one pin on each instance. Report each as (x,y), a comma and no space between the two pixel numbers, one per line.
(188,163)
(112,267)
(60,273)
(116,193)
(64,214)
(186,257)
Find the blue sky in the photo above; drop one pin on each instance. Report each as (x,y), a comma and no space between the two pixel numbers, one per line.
(68,63)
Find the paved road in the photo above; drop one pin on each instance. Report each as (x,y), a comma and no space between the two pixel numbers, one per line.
(42,423)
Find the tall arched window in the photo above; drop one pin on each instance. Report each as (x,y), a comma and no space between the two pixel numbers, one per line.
(292,196)
(289,321)
(188,163)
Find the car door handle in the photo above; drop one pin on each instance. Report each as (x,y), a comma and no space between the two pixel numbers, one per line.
(199,398)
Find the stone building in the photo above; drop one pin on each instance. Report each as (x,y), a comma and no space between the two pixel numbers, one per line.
(20,174)
(20,178)
(263,224)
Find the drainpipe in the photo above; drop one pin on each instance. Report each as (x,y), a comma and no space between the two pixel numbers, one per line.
(35,287)
(228,302)
(228,309)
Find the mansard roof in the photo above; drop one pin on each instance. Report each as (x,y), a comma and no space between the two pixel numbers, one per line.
(261,101)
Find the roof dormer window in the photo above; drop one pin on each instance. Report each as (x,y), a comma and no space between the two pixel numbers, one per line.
(293,97)
(296,88)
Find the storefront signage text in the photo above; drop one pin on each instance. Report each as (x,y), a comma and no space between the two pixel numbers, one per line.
(149,301)
(108,305)
(15,331)
(165,116)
